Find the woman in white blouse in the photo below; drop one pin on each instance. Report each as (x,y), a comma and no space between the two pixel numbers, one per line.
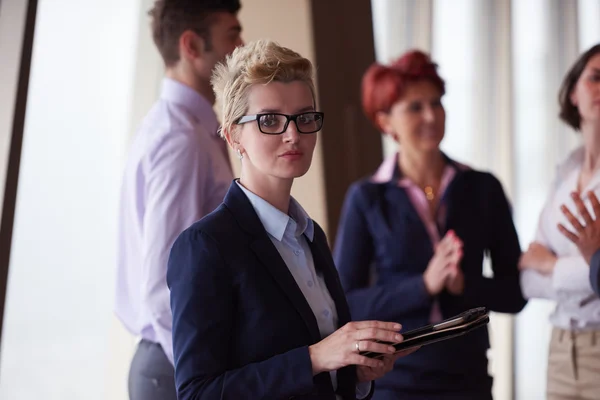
(552,267)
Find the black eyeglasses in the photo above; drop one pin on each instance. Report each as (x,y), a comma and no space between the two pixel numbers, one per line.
(276,123)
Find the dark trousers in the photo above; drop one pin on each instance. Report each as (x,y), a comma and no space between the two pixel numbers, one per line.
(151,376)
(383,394)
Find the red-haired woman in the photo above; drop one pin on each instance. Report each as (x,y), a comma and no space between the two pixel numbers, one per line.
(413,236)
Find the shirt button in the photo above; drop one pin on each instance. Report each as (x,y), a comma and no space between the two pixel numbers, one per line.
(326,313)
(297,252)
(310,283)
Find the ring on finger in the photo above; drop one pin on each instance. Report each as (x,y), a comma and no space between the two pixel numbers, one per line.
(357,346)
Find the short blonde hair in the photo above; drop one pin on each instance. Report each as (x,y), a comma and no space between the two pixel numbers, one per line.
(258,62)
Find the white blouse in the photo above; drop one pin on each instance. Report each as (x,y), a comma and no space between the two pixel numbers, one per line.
(577,306)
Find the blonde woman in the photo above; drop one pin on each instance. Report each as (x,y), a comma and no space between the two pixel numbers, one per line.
(258,309)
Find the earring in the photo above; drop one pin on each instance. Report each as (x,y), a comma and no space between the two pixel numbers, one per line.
(239,154)
(393,136)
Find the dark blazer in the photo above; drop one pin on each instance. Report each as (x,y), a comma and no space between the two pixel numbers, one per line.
(595,272)
(241,325)
(381,232)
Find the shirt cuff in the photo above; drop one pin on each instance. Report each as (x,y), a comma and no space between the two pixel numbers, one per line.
(536,285)
(363,389)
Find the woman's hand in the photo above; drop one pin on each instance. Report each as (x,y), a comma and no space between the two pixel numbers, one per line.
(539,258)
(585,237)
(367,374)
(443,264)
(343,346)
(455,282)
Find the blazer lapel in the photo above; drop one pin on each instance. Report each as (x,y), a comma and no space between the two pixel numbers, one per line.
(270,258)
(346,377)
(267,254)
(408,212)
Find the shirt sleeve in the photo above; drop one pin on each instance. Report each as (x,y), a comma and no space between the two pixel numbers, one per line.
(502,292)
(571,274)
(177,176)
(533,283)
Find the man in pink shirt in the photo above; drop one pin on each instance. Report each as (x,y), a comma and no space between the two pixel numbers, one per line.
(177,171)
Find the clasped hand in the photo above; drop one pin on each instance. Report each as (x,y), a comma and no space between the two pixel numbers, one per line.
(444,270)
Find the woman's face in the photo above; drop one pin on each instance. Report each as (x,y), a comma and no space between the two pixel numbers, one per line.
(416,121)
(278,156)
(586,94)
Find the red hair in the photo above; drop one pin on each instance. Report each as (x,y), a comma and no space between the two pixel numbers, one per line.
(383,85)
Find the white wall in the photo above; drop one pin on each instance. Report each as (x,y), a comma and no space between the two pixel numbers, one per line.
(398,26)
(61,279)
(534,167)
(289,23)
(589,28)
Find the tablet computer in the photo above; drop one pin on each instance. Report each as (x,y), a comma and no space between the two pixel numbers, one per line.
(458,325)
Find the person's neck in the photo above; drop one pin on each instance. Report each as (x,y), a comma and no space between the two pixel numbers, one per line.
(200,85)
(425,169)
(591,139)
(276,192)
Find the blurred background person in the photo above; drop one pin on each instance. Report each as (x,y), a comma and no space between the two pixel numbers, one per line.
(177,171)
(553,267)
(258,309)
(412,237)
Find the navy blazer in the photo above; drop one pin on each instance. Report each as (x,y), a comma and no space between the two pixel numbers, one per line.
(382,238)
(595,272)
(241,325)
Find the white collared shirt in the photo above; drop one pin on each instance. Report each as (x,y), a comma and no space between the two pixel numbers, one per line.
(577,307)
(288,233)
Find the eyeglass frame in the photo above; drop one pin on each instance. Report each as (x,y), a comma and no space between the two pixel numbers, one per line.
(293,117)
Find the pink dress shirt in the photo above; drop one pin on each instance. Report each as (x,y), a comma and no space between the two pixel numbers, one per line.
(178,170)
